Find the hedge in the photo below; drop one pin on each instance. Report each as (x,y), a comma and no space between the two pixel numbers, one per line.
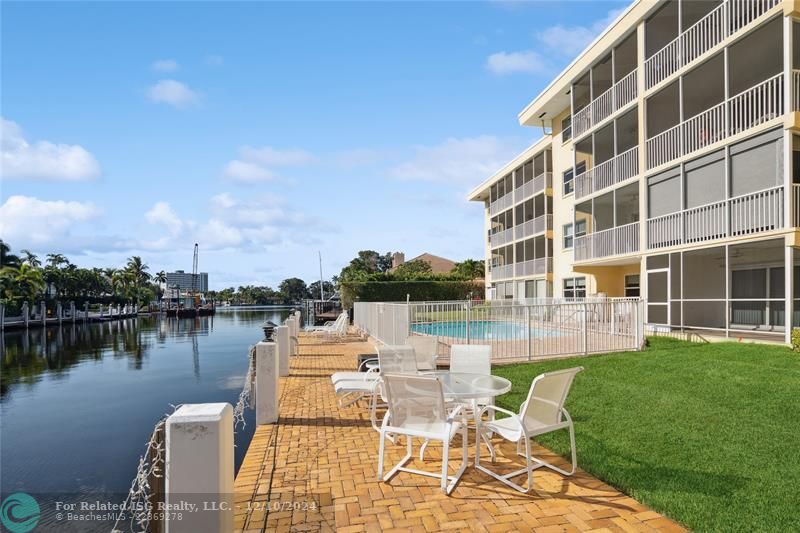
(396,291)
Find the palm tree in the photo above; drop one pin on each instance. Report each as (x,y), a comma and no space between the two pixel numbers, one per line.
(56,260)
(470,268)
(24,283)
(6,257)
(160,277)
(138,272)
(30,258)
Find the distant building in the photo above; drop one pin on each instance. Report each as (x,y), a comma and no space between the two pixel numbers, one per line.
(184,281)
(439,265)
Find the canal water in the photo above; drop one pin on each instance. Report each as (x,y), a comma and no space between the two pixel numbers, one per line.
(78,403)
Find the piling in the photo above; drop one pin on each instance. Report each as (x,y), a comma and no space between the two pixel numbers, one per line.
(267,372)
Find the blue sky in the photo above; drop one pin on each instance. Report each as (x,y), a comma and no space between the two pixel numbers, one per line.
(267,131)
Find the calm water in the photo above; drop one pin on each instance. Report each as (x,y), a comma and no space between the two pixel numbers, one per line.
(78,403)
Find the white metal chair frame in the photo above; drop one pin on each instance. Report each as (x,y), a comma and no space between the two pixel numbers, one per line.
(396,359)
(454,423)
(526,434)
(425,350)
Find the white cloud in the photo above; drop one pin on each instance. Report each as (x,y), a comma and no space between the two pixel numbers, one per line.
(572,40)
(357,157)
(165,65)
(223,201)
(512,62)
(162,214)
(27,221)
(42,159)
(464,161)
(560,41)
(245,172)
(173,93)
(255,164)
(214,60)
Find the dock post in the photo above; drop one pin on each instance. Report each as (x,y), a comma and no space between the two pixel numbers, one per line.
(85,311)
(58,312)
(289,323)
(26,316)
(282,336)
(101,310)
(72,310)
(267,372)
(299,317)
(2,319)
(43,307)
(199,468)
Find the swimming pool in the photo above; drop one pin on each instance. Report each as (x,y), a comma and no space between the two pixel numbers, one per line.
(481,329)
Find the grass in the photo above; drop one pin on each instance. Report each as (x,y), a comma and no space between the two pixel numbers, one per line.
(707,434)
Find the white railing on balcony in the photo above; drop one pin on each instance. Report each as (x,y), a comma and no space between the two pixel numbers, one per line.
(796,90)
(501,204)
(533,226)
(618,96)
(534,267)
(758,104)
(533,187)
(608,173)
(723,21)
(501,237)
(502,272)
(796,205)
(742,215)
(613,241)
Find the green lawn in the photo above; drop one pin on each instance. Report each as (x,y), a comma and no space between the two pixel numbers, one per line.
(707,434)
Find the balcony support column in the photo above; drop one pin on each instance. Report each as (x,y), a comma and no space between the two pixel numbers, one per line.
(642,135)
(788,86)
(789,296)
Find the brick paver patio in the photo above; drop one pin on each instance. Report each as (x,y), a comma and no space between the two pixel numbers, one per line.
(316,470)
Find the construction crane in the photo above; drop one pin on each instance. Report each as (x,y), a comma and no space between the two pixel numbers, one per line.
(195,297)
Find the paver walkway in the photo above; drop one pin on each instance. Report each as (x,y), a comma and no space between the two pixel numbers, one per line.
(316,471)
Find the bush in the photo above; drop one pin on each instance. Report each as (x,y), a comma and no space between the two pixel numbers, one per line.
(396,291)
(796,339)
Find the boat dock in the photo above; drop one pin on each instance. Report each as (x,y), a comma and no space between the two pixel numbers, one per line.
(33,317)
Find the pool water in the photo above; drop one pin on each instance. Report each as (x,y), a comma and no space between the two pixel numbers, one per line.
(482,329)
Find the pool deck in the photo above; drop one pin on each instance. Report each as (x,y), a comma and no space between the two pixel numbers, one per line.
(315,470)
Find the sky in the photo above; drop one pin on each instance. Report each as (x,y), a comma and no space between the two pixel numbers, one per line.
(267,132)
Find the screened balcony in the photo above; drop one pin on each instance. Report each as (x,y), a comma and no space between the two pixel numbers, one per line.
(533,177)
(674,41)
(502,263)
(533,217)
(612,224)
(501,195)
(607,87)
(755,83)
(610,154)
(534,257)
(501,229)
(701,201)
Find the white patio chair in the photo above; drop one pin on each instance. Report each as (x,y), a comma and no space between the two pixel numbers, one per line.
(473,359)
(392,359)
(417,409)
(426,349)
(543,412)
(330,326)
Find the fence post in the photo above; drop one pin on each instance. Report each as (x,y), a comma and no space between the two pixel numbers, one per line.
(282,338)
(267,371)
(585,329)
(469,316)
(199,468)
(530,333)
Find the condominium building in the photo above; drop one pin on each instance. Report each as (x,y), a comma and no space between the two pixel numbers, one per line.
(669,169)
(183,281)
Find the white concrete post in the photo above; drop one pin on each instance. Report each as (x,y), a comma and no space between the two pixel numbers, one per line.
(267,372)
(2,316)
(85,311)
(199,468)
(282,337)
(290,324)
(59,312)
(26,316)
(101,310)
(299,316)
(43,308)
(72,310)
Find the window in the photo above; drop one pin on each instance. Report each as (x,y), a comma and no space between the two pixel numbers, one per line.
(575,288)
(569,185)
(580,228)
(568,237)
(632,286)
(566,129)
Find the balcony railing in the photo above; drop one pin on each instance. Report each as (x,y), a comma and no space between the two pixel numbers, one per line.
(533,187)
(613,241)
(742,215)
(723,21)
(534,267)
(501,237)
(618,96)
(608,173)
(502,272)
(743,111)
(533,226)
(501,204)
